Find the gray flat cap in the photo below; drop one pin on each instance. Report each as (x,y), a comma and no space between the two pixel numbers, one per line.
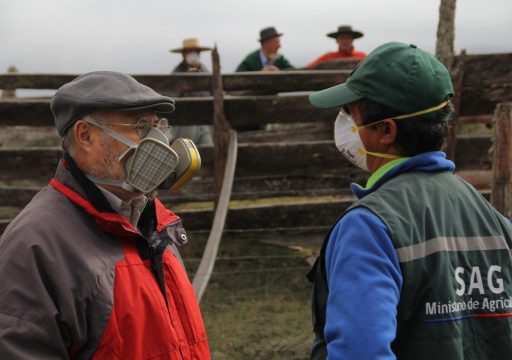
(104,90)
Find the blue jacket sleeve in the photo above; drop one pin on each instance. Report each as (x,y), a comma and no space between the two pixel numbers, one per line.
(364,280)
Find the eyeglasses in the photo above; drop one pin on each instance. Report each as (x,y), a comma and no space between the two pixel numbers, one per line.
(143,126)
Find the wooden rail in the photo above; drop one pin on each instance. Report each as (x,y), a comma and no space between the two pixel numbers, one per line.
(302,170)
(255,81)
(259,159)
(241,110)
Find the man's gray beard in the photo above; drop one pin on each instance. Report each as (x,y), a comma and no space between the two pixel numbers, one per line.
(109,160)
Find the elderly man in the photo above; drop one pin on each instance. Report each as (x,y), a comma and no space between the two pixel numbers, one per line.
(89,269)
(266,58)
(419,267)
(344,38)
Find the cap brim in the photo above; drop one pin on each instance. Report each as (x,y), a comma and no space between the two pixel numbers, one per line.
(160,107)
(270,37)
(355,34)
(338,95)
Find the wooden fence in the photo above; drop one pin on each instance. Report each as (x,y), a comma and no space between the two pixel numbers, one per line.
(298,170)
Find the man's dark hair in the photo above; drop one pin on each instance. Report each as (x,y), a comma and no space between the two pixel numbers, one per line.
(415,135)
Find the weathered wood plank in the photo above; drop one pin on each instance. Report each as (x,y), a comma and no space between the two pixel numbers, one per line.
(245,110)
(174,82)
(340,64)
(501,196)
(201,189)
(472,152)
(273,216)
(488,69)
(487,82)
(476,119)
(32,163)
(279,217)
(480,100)
(240,110)
(282,81)
(260,159)
(274,219)
(16,196)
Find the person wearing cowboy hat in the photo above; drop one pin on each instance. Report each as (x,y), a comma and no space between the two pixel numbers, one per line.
(266,58)
(190,51)
(344,38)
(199,134)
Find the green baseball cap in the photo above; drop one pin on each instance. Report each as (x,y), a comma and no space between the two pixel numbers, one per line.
(401,76)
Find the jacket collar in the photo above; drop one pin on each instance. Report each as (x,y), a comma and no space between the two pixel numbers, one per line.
(433,161)
(70,181)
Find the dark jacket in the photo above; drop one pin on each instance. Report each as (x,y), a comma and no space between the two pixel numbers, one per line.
(252,62)
(184,67)
(79,281)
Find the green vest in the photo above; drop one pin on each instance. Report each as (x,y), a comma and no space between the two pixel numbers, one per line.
(454,254)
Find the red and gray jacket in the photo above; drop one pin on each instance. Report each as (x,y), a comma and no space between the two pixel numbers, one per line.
(78,281)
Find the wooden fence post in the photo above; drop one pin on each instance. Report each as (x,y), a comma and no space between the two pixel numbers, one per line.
(224,162)
(457,78)
(9,94)
(220,125)
(446,33)
(445,54)
(501,194)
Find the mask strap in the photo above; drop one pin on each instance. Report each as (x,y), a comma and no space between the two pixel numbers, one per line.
(111,132)
(421,112)
(97,180)
(405,116)
(382,155)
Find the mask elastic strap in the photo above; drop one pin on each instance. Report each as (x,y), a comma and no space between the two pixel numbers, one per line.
(382,155)
(111,132)
(97,180)
(405,116)
(421,112)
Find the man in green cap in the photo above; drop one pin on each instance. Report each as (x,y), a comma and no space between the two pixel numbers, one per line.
(420,266)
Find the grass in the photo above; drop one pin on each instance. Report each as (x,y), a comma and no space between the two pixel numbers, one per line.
(257,304)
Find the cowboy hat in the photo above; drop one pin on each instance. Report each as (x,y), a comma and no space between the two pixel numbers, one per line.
(345,30)
(191,44)
(268,33)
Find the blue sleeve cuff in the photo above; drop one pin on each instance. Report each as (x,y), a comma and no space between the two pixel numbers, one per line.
(364,280)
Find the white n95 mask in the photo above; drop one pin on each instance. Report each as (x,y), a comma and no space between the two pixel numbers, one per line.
(147,164)
(192,58)
(348,141)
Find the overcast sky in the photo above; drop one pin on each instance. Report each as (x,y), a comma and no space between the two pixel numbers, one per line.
(76,36)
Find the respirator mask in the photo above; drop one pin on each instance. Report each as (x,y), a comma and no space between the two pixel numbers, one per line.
(192,58)
(348,141)
(152,163)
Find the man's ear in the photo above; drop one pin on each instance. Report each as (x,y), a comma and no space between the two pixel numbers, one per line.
(388,131)
(86,136)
